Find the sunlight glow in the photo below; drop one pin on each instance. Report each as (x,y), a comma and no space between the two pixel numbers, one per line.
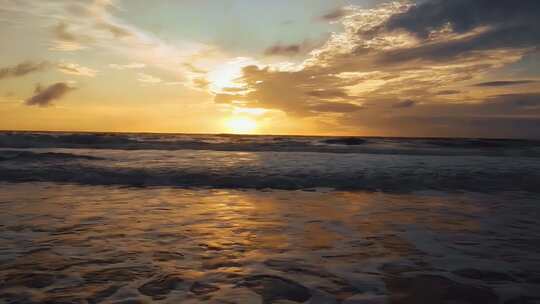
(226,74)
(242,125)
(250,111)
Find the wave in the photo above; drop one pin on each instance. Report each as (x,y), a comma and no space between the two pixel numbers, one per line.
(258,170)
(370,182)
(372,145)
(349,141)
(16,155)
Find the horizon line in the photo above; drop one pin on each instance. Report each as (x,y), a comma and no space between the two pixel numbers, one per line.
(268,134)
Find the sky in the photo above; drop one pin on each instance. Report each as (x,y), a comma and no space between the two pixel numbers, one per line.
(460,68)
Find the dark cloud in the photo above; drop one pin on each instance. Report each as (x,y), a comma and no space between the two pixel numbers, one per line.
(404,104)
(519,104)
(504,83)
(514,102)
(515,37)
(447,92)
(294,49)
(283,50)
(334,15)
(466,15)
(23,69)
(508,24)
(461,126)
(45,96)
(506,115)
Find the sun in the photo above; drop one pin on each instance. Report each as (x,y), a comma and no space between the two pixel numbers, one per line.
(241,125)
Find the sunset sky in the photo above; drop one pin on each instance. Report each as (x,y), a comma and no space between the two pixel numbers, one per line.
(349,67)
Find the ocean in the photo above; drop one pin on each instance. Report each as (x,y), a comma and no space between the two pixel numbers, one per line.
(180,218)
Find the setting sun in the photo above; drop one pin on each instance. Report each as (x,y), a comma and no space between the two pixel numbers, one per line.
(241,125)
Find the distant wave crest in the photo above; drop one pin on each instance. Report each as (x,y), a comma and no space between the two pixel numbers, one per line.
(14,155)
(373,145)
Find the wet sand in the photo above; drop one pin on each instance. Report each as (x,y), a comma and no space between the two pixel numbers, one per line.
(96,244)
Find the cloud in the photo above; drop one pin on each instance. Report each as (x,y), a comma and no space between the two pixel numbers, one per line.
(404,104)
(335,107)
(508,103)
(62,33)
(454,126)
(149,79)
(328,93)
(63,46)
(353,80)
(67,41)
(116,30)
(444,51)
(201,83)
(23,69)
(294,92)
(44,97)
(89,19)
(98,24)
(439,53)
(504,83)
(76,69)
(482,24)
(292,49)
(133,65)
(29,67)
(504,115)
(466,15)
(334,15)
(78,10)
(233,90)
(193,69)
(283,50)
(447,92)
(173,83)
